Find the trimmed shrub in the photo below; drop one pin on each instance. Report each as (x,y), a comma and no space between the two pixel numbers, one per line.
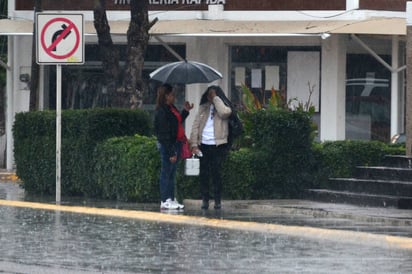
(128,168)
(128,172)
(35,146)
(282,158)
(238,177)
(102,156)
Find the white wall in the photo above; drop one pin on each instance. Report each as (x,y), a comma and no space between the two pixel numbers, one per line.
(352,4)
(303,78)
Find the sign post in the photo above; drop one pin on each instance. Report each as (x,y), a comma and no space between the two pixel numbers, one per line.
(59,41)
(58,131)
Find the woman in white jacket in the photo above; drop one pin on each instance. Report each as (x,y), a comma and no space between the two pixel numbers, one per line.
(209,135)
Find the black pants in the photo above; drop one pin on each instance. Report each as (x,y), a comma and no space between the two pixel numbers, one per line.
(210,170)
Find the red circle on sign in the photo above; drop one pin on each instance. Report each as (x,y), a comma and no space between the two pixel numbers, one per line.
(47,49)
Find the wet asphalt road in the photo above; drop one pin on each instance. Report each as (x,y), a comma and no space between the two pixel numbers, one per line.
(35,240)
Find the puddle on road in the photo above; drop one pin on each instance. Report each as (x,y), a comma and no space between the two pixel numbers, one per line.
(112,244)
(70,241)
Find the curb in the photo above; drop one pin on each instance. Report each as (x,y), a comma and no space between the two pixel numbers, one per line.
(9,177)
(312,233)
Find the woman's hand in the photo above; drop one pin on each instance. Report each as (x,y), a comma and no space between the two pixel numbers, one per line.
(188,106)
(173,159)
(211,95)
(196,151)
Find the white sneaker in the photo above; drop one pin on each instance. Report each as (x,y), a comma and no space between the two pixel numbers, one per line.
(169,204)
(179,206)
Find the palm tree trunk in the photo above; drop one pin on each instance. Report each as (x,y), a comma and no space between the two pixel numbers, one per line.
(137,42)
(109,53)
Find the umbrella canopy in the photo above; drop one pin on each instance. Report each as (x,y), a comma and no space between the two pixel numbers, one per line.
(185,72)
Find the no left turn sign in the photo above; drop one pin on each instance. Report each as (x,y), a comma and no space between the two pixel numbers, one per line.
(59,38)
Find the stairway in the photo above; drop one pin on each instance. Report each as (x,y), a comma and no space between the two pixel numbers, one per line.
(389,185)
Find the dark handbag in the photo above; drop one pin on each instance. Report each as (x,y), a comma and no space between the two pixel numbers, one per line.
(235,125)
(185,150)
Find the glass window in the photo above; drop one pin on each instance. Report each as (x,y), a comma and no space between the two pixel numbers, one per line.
(368,98)
(260,68)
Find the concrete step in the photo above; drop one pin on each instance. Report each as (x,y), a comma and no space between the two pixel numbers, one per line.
(8,176)
(383,173)
(362,199)
(371,186)
(398,161)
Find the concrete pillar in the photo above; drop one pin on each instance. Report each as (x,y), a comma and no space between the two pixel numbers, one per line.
(211,51)
(333,91)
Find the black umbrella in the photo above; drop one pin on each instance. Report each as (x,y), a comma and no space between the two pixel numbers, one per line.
(185,72)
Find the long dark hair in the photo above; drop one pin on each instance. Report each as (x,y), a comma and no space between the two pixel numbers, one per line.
(219,92)
(162,92)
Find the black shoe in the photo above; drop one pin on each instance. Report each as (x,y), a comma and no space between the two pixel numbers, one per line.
(218,206)
(205,205)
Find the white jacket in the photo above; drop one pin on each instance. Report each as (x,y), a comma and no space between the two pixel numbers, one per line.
(220,122)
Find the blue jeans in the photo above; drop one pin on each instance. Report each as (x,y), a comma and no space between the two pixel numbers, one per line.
(167,173)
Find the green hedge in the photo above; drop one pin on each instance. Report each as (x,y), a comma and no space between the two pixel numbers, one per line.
(282,160)
(237,175)
(128,169)
(35,146)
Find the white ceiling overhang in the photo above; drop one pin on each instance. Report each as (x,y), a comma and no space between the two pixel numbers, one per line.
(381,26)
(378,26)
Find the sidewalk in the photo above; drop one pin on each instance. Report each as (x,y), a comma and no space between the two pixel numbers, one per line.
(389,221)
(388,216)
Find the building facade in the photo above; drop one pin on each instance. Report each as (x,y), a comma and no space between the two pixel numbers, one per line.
(348,55)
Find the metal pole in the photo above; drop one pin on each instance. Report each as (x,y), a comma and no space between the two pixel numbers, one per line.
(10,103)
(371,52)
(395,87)
(408,106)
(58,131)
(172,51)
